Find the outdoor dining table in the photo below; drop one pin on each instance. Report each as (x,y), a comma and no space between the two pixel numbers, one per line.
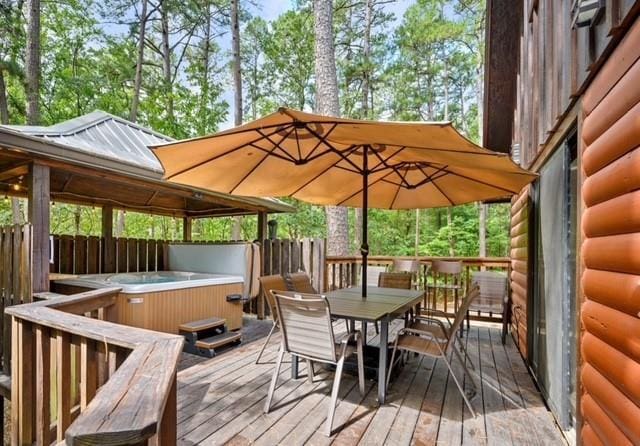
(381,305)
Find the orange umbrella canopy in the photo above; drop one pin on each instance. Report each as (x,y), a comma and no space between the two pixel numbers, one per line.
(321,160)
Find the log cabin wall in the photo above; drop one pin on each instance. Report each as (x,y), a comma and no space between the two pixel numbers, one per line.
(520,211)
(610,341)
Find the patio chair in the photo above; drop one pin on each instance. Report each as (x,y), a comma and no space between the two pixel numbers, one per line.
(373,274)
(411,266)
(447,277)
(269,283)
(493,298)
(438,344)
(394,280)
(300,282)
(307,332)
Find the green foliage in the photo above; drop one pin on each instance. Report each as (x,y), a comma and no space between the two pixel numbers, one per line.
(426,65)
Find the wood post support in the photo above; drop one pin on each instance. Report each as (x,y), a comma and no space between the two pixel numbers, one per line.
(262,226)
(108,250)
(187,224)
(39,201)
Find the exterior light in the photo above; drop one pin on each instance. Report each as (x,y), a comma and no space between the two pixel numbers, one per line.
(587,12)
(16,187)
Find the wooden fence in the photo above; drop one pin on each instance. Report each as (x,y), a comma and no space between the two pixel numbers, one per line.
(87,255)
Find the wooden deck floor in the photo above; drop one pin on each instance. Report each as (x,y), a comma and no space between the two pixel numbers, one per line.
(220,401)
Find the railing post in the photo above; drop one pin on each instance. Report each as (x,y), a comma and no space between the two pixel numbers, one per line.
(43,385)
(167,434)
(22,383)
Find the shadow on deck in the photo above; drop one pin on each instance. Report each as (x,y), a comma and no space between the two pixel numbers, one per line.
(220,401)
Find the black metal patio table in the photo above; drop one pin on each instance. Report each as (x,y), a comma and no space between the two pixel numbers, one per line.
(381,305)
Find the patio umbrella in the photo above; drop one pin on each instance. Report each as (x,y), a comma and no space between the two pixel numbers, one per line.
(334,161)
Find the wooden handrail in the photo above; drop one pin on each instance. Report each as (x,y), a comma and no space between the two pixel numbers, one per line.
(130,407)
(423,259)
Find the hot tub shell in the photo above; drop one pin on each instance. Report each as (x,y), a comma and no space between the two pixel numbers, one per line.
(163,306)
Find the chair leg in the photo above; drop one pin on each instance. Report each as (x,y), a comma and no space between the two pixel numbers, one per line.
(360,353)
(392,363)
(466,371)
(310,374)
(273,328)
(455,380)
(274,381)
(334,396)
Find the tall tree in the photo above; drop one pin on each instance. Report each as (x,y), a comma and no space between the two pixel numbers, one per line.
(236,64)
(32,62)
(327,103)
(137,85)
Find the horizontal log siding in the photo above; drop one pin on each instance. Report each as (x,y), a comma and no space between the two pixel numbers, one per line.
(520,210)
(610,313)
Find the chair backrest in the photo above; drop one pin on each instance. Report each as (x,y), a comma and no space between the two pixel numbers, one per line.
(300,282)
(493,291)
(305,321)
(405,266)
(373,274)
(395,280)
(272,283)
(446,267)
(474,292)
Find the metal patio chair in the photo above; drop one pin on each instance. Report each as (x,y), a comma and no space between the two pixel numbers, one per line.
(307,332)
(494,296)
(300,282)
(269,283)
(438,344)
(447,277)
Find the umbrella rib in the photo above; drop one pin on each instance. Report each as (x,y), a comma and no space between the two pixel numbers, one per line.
(320,174)
(482,182)
(228,152)
(269,153)
(277,144)
(321,141)
(361,189)
(442,192)
(383,162)
(402,179)
(331,147)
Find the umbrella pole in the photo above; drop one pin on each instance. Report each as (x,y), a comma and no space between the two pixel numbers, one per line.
(364,249)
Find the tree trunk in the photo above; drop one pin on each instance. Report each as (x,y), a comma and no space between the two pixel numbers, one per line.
(452,243)
(237,91)
(16,213)
(77,213)
(204,93)
(32,62)
(135,100)
(166,61)
(417,237)
(4,106)
(366,55)
(120,224)
(327,104)
(482,229)
(237,63)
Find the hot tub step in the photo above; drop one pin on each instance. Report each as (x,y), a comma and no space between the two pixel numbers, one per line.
(208,345)
(203,324)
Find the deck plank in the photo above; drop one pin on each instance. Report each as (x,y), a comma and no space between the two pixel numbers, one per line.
(221,401)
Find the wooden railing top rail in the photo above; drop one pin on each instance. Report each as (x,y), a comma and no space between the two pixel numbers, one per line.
(128,408)
(424,259)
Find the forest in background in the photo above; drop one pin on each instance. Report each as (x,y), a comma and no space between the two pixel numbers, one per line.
(170,66)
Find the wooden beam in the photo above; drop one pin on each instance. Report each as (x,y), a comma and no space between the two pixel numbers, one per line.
(39,201)
(108,249)
(263,217)
(14,170)
(186,228)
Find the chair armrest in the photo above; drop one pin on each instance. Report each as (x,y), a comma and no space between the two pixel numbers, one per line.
(432,312)
(436,321)
(414,331)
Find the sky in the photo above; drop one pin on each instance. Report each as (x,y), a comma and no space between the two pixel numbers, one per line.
(270,10)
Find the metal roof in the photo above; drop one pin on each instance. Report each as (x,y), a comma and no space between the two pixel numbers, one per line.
(100,139)
(104,135)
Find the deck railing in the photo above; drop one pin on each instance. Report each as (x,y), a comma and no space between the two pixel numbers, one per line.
(343,271)
(79,379)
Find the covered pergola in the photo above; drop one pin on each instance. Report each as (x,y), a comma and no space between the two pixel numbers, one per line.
(102,160)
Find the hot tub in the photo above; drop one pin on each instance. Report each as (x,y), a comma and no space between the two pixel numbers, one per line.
(163,300)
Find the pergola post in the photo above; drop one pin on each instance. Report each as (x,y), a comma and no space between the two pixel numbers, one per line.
(262,226)
(108,249)
(187,224)
(39,201)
